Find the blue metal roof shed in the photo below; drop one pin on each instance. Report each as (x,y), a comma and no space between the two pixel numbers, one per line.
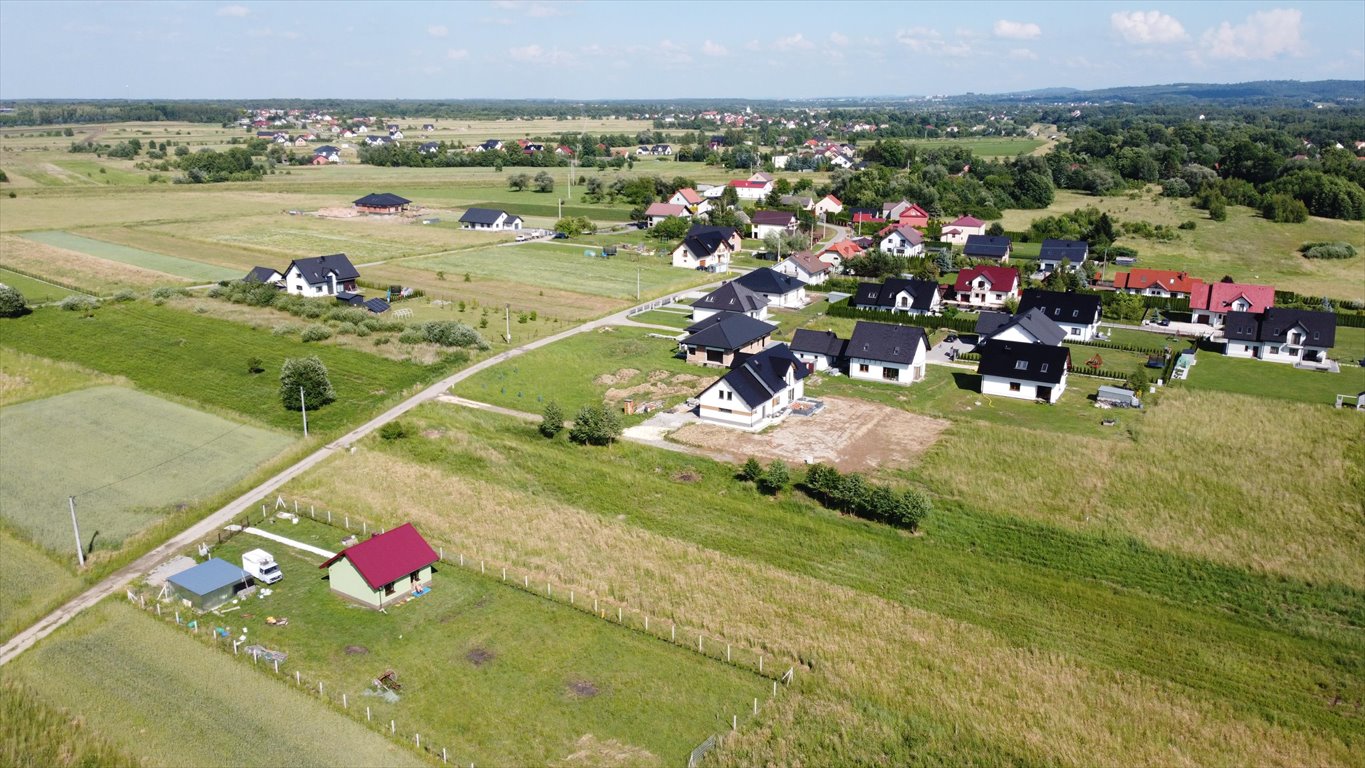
(210,584)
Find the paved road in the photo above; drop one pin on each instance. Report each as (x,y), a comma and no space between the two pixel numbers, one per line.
(206,527)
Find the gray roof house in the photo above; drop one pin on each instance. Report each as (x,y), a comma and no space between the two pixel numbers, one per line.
(1029,327)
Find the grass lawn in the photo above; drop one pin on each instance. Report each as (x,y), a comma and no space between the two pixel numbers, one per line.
(204,359)
(564,267)
(159,694)
(1217,372)
(1085,631)
(1350,346)
(664,317)
(29,377)
(127,455)
(35,291)
(650,695)
(33,582)
(171,265)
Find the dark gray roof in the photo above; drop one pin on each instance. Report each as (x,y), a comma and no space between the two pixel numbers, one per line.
(483,216)
(377,306)
(773,218)
(988,323)
(316,269)
(1274,325)
(802,200)
(759,377)
(346,297)
(326,149)
(732,297)
(986,246)
(1025,362)
(429,146)
(491,144)
(883,295)
(382,200)
(261,275)
(1055,250)
(1065,308)
(765,280)
(1033,321)
(728,331)
(704,244)
(725,232)
(885,342)
(818,342)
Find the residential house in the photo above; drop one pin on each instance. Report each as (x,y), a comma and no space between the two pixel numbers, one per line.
(383,569)
(987,285)
(491,145)
(692,200)
(321,276)
(563,151)
(887,352)
(1210,303)
(958,230)
(761,177)
(806,267)
(911,296)
(707,249)
(773,223)
(395,135)
(1300,337)
(1031,327)
(731,297)
(428,127)
(751,190)
(328,152)
(1024,371)
(730,235)
(661,149)
(490,219)
(903,241)
(209,584)
(1053,252)
(992,247)
(1077,313)
(429,147)
(780,290)
(819,350)
(827,205)
(858,216)
(905,214)
(758,392)
(800,202)
(837,253)
(1165,283)
(716,339)
(658,212)
(382,203)
(265,275)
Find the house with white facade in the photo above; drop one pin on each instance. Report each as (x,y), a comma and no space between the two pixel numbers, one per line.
(1023,371)
(757,393)
(987,286)
(819,350)
(995,248)
(705,248)
(490,219)
(896,294)
(958,230)
(731,297)
(887,352)
(773,223)
(1163,283)
(783,291)
(1052,253)
(903,241)
(1077,313)
(321,276)
(1031,327)
(692,200)
(806,267)
(657,213)
(751,190)
(827,205)
(1210,303)
(718,338)
(1300,337)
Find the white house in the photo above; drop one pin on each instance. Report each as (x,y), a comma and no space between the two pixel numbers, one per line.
(1052,253)
(886,352)
(1165,283)
(707,249)
(321,276)
(1077,313)
(806,267)
(958,230)
(692,200)
(1299,337)
(1023,371)
(903,241)
(265,275)
(819,350)
(987,286)
(1210,303)
(773,223)
(489,219)
(827,205)
(1031,327)
(756,393)
(660,212)
(751,190)
(910,296)
(731,297)
(782,291)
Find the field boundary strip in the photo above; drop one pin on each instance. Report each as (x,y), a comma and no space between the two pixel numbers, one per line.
(99,249)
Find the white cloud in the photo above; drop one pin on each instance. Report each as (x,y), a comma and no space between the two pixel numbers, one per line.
(1017,30)
(457,54)
(535,54)
(437,30)
(1147,27)
(532,10)
(714,49)
(930,41)
(796,42)
(234,10)
(1023,54)
(1264,35)
(838,39)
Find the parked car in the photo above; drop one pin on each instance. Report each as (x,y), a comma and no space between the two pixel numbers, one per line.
(561,236)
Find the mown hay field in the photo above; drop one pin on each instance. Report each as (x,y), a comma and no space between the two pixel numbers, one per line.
(127,456)
(153,692)
(171,265)
(34,291)
(90,274)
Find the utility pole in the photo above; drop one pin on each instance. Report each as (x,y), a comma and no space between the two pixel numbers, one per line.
(80,550)
(303,404)
(561,208)
(637,283)
(509,322)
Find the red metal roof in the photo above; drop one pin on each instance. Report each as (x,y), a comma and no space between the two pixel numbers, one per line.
(390,556)
(1002,278)
(967,221)
(1142,279)
(746,184)
(1218,297)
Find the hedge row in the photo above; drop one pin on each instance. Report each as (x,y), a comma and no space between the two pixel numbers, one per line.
(853,494)
(845,309)
(1120,347)
(1100,373)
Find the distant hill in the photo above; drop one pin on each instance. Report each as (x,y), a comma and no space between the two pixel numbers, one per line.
(1258,92)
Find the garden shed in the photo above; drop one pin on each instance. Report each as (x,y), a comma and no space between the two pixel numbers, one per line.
(383,569)
(209,584)
(1126,398)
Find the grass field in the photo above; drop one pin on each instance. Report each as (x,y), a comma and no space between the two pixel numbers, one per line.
(564,267)
(92,275)
(171,265)
(204,360)
(998,146)
(999,628)
(33,582)
(126,455)
(34,291)
(29,377)
(651,699)
(33,735)
(485,292)
(1217,372)
(158,694)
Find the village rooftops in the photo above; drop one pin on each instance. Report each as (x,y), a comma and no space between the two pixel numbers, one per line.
(818,342)
(732,297)
(727,330)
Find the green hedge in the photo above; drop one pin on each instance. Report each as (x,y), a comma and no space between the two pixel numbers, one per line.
(1100,373)
(846,309)
(1120,347)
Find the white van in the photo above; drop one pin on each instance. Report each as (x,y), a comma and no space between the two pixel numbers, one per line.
(261,566)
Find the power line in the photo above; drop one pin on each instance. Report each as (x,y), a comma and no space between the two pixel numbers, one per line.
(177,457)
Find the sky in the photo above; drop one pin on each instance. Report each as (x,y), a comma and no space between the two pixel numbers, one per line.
(242,49)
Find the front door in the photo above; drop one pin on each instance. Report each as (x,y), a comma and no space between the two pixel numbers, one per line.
(1045,393)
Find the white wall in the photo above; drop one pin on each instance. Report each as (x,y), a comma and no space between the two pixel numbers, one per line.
(820,362)
(713,404)
(1079,332)
(998,386)
(908,373)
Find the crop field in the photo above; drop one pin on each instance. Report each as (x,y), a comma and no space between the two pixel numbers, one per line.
(97,443)
(35,291)
(29,377)
(988,147)
(1217,372)
(484,292)
(565,267)
(1180,648)
(92,275)
(33,581)
(170,265)
(33,735)
(146,688)
(204,359)
(479,660)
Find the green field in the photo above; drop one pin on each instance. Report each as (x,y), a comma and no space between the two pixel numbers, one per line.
(33,582)
(35,735)
(171,265)
(1218,372)
(29,377)
(158,694)
(127,456)
(204,360)
(670,318)
(649,695)
(565,267)
(1000,146)
(991,617)
(35,291)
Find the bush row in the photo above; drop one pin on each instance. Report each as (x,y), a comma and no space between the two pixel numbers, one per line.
(845,309)
(857,496)
(1099,372)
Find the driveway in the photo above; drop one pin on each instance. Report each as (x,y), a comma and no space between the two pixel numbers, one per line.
(939,354)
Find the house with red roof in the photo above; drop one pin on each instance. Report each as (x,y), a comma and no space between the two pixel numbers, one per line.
(658,212)
(827,205)
(958,230)
(806,267)
(1165,283)
(1211,303)
(748,189)
(906,214)
(384,569)
(987,286)
(837,253)
(692,200)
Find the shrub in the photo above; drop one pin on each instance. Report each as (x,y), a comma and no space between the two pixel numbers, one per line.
(1284,209)
(452,333)
(255,365)
(350,315)
(78,303)
(312,310)
(284,329)
(1188,224)
(394,430)
(854,495)
(316,333)
(411,336)
(596,425)
(752,470)
(1328,251)
(775,478)
(551,419)
(309,375)
(1137,380)
(128,294)
(12,302)
(345,329)
(362,331)
(168,292)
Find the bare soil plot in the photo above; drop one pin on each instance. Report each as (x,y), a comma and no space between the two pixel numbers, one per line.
(849,434)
